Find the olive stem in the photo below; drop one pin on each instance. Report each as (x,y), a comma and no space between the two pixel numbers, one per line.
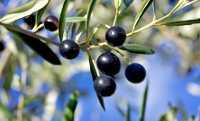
(154,22)
(94,31)
(121,54)
(37,28)
(117,6)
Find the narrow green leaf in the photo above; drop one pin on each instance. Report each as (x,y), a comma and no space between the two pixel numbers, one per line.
(94,76)
(71,106)
(127,115)
(89,13)
(179,4)
(39,14)
(73,35)
(70,24)
(24,10)
(10,67)
(125,4)
(182,23)
(144,100)
(63,19)
(75,19)
(135,48)
(41,48)
(6,112)
(144,6)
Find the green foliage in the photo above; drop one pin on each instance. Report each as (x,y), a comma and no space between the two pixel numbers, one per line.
(6,112)
(125,4)
(63,19)
(95,74)
(182,23)
(144,101)
(135,48)
(41,48)
(24,10)
(170,115)
(71,107)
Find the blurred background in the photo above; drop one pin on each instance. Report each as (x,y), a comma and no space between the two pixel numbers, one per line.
(173,72)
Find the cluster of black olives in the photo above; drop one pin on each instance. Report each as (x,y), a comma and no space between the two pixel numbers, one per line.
(107,63)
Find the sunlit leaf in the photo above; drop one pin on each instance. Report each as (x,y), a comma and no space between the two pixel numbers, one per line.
(89,13)
(125,4)
(63,19)
(170,115)
(6,112)
(144,101)
(39,14)
(135,48)
(71,107)
(75,19)
(182,23)
(144,6)
(41,48)
(94,76)
(24,10)
(10,67)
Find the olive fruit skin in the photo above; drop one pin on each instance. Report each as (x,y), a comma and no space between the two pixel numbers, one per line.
(69,49)
(108,63)
(30,20)
(115,36)
(51,23)
(2,47)
(135,73)
(104,86)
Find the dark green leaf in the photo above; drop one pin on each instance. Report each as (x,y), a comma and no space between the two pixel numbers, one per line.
(89,13)
(41,48)
(6,112)
(182,23)
(24,10)
(94,76)
(71,106)
(63,19)
(144,100)
(125,4)
(39,14)
(144,6)
(135,48)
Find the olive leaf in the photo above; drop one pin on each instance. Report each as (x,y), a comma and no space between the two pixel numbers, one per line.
(170,115)
(182,23)
(41,48)
(89,13)
(144,6)
(71,106)
(94,76)
(39,14)
(63,19)
(125,4)
(75,19)
(144,101)
(6,112)
(24,10)
(135,48)
(179,4)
